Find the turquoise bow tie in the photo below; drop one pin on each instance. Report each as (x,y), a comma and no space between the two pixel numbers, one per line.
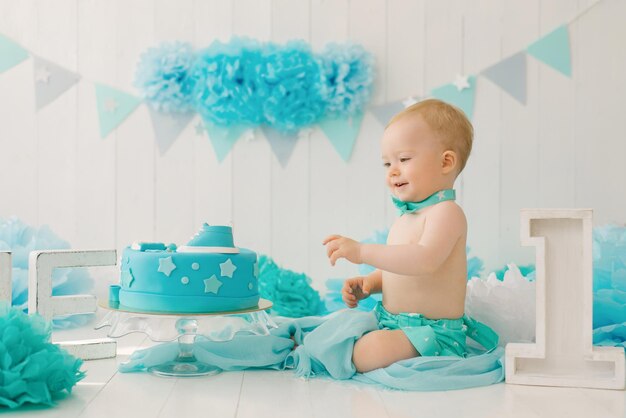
(410,207)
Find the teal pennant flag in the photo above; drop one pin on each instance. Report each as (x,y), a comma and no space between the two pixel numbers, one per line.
(463,99)
(11,54)
(342,133)
(113,107)
(554,50)
(223,138)
(510,75)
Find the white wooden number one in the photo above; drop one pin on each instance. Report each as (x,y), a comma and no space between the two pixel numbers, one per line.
(563,353)
(40,299)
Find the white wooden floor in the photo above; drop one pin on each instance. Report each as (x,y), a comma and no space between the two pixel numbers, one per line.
(259,393)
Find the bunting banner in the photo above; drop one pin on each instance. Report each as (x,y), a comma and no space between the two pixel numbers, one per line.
(223,139)
(50,81)
(282,144)
(342,133)
(460,94)
(11,54)
(114,106)
(554,50)
(167,127)
(510,76)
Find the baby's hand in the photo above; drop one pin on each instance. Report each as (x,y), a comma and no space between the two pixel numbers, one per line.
(354,290)
(341,247)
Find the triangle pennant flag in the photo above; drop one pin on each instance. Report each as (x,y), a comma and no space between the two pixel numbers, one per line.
(342,133)
(554,50)
(11,54)
(113,107)
(460,94)
(282,144)
(168,126)
(510,75)
(50,81)
(223,138)
(385,112)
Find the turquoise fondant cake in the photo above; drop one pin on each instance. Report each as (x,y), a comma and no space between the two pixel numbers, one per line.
(209,274)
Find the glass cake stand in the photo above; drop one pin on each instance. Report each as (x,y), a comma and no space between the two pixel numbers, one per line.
(185,328)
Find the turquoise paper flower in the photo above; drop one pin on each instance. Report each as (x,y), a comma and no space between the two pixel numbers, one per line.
(163,77)
(32,369)
(291,293)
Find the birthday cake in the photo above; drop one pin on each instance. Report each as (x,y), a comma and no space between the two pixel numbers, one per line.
(207,275)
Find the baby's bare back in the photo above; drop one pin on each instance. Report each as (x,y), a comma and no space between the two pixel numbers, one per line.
(437,295)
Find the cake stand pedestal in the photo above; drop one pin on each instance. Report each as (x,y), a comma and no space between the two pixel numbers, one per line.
(216,326)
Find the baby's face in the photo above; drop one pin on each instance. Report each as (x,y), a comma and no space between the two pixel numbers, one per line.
(411,155)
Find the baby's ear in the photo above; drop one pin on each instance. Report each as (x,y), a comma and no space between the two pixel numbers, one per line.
(449,161)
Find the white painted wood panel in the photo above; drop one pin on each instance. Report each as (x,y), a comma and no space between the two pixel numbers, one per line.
(563,148)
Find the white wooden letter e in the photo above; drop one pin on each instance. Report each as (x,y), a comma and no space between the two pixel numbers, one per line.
(40,299)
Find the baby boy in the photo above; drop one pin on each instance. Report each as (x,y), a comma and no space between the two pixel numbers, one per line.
(422,270)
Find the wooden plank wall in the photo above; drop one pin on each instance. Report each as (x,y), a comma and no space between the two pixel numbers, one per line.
(565,148)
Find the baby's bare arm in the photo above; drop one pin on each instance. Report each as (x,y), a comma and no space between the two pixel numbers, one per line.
(375,281)
(442,229)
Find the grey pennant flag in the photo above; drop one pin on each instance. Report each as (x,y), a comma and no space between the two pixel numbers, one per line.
(167,127)
(385,112)
(282,144)
(50,81)
(510,75)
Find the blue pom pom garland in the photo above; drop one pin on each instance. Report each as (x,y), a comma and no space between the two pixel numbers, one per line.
(248,83)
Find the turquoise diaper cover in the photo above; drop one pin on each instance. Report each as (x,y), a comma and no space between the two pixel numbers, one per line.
(438,337)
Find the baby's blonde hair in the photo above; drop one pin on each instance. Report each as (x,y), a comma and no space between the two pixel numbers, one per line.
(448,122)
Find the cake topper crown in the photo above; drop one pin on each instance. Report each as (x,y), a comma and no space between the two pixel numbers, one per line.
(211,239)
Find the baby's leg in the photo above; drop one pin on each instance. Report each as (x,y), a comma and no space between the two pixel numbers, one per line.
(381,348)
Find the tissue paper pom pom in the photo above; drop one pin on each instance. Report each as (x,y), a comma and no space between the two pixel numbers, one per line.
(507,306)
(348,75)
(227,90)
(163,77)
(293,86)
(33,370)
(474,265)
(609,275)
(290,292)
(21,239)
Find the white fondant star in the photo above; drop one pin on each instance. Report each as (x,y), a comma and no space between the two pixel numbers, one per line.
(110,105)
(42,75)
(166,266)
(212,284)
(461,82)
(199,128)
(441,195)
(409,101)
(256,269)
(227,268)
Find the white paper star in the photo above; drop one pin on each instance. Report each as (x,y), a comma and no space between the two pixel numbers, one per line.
(227,268)
(166,266)
(110,105)
(461,82)
(409,101)
(212,285)
(199,128)
(42,75)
